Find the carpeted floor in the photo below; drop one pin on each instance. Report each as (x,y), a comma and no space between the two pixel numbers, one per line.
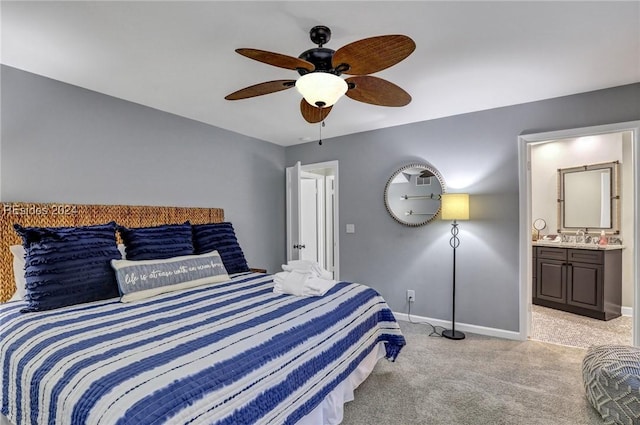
(476,381)
(560,327)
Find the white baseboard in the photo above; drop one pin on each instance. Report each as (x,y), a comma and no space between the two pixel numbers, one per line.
(464,327)
(627,311)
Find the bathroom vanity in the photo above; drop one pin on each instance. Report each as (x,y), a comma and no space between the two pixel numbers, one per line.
(584,279)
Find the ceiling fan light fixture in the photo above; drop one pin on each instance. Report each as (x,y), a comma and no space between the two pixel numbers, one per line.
(321,89)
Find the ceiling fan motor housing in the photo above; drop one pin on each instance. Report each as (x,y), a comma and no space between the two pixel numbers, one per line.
(321,58)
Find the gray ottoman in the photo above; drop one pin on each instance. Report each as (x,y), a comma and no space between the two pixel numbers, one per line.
(611,375)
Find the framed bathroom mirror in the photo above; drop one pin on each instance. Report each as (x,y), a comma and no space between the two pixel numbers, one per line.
(589,198)
(412,194)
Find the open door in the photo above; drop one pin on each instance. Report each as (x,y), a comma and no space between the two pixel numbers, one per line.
(312,214)
(311,218)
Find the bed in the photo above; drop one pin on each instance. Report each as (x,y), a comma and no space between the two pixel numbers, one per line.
(229,352)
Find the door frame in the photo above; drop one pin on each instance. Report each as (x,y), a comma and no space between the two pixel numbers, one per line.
(292,194)
(333,166)
(525,251)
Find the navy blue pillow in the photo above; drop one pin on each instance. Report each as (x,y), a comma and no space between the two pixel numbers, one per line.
(158,242)
(68,265)
(220,237)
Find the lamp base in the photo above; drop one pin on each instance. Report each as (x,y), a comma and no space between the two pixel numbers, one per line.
(449,334)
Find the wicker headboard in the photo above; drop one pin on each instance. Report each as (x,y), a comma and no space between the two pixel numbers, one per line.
(55,215)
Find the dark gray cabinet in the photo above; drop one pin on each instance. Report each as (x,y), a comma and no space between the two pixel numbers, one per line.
(581,281)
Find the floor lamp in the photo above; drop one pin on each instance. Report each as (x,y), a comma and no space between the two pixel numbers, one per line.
(455,206)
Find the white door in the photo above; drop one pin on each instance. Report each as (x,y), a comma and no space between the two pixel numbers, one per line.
(293,211)
(312,214)
(312,218)
(309,219)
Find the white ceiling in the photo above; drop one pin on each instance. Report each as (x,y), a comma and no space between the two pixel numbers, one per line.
(179,56)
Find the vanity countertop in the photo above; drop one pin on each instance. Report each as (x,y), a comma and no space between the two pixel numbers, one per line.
(591,246)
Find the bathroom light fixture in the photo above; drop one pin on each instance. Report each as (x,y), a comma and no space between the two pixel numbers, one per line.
(321,89)
(455,206)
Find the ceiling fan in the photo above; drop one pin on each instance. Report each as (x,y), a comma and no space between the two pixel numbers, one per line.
(320,69)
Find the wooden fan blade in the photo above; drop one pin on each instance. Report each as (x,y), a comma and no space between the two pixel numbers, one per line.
(260,89)
(373,54)
(313,114)
(376,91)
(276,59)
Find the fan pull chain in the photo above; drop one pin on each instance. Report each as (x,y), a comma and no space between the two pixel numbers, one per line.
(320,139)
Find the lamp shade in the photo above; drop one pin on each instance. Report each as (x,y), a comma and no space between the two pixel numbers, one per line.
(455,206)
(321,89)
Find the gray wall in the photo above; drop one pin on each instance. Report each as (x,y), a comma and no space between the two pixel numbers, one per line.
(476,153)
(61,143)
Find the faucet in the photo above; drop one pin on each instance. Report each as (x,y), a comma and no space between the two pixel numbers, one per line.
(580,236)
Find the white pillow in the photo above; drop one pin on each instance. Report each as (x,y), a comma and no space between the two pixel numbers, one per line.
(18,269)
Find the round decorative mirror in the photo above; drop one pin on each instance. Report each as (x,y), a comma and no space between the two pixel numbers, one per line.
(412,194)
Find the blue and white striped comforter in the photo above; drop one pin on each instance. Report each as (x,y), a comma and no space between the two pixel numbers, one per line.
(229,353)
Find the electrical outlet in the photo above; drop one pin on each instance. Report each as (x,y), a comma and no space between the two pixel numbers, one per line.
(411,295)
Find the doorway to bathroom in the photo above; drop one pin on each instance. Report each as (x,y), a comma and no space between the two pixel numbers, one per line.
(542,157)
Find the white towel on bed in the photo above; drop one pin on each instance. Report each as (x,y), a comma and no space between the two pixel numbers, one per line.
(307,266)
(302,280)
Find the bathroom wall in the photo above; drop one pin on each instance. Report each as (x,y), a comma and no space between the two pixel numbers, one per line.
(546,158)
